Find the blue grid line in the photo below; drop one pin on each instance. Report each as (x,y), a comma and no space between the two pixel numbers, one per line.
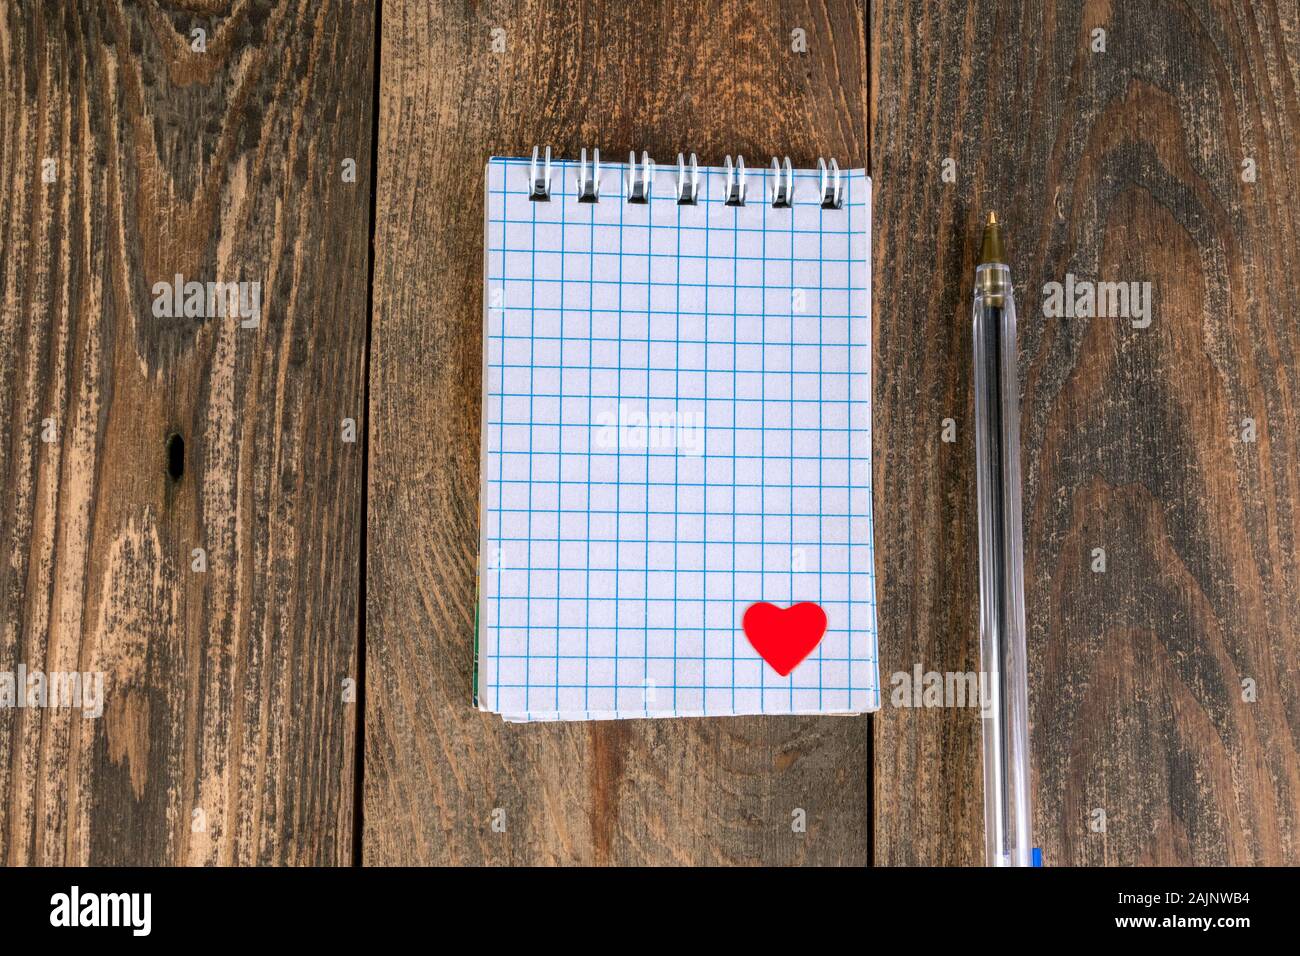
(645,659)
(849,211)
(656,368)
(547,539)
(617,687)
(704,564)
(662,657)
(735,221)
(676,341)
(532,384)
(791,461)
(828,430)
(829,317)
(683,600)
(762,421)
(682,484)
(821,478)
(812,260)
(591,323)
(665,628)
(741,229)
(560,450)
(703,285)
(618,486)
(677,393)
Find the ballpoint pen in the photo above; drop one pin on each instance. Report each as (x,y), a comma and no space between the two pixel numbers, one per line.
(1005,722)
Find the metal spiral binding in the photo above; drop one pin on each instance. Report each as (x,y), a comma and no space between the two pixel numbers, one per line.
(832,187)
(589,178)
(782,192)
(733,191)
(688,190)
(641,177)
(638,187)
(539,184)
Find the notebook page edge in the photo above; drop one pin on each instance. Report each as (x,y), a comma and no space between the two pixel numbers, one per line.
(480,571)
(871,430)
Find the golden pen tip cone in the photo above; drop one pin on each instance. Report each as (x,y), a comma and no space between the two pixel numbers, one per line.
(991,248)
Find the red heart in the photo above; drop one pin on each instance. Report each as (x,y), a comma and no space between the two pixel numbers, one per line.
(784,636)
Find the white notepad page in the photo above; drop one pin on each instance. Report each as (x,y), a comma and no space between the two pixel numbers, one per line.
(676,425)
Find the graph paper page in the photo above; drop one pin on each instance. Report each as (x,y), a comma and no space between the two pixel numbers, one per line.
(676,425)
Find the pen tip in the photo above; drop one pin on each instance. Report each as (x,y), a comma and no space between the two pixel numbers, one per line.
(991,248)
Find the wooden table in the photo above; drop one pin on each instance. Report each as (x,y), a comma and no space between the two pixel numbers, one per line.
(299,691)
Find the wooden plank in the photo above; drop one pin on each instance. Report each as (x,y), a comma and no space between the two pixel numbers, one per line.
(1116,165)
(224,736)
(714,78)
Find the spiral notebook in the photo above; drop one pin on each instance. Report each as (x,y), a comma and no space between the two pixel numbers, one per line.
(676,459)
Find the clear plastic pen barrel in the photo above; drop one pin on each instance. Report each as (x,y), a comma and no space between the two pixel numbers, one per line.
(1007,839)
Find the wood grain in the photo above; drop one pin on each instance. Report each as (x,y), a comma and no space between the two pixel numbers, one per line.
(714,78)
(224,701)
(1116,165)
